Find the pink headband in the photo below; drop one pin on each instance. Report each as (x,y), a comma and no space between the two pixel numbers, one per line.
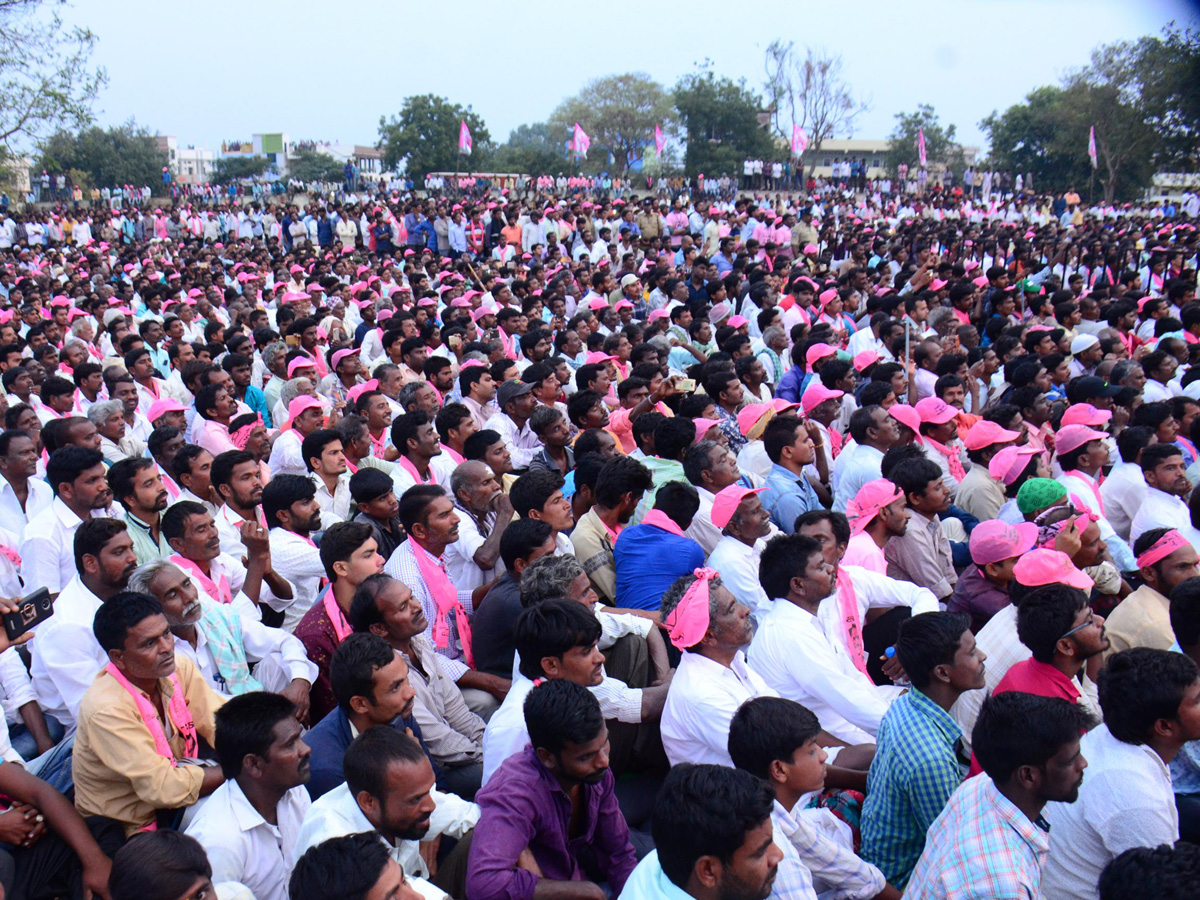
(1162,548)
(242,435)
(687,623)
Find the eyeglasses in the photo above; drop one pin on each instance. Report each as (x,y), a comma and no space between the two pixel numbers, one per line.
(1090,620)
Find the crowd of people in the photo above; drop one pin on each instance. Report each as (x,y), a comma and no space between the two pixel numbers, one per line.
(558,547)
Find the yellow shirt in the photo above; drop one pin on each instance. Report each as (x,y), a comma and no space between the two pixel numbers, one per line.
(118,773)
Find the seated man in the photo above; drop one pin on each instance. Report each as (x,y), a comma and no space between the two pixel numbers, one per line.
(622,483)
(390,791)
(521,809)
(995,547)
(777,740)
(166,865)
(922,554)
(1165,558)
(484,512)
(713,837)
(223,644)
(126,766)
(370,682)
(349,557)
(452,734)
(1029,749)
(289,504)
(353,867)
(375,496)
(651,555)
(250,824)
(917,765)
(1149,698)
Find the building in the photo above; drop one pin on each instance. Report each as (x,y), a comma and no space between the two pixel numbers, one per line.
(280,150)
(189,165)
(873,151)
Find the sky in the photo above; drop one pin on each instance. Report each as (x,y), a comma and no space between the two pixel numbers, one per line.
(226,69)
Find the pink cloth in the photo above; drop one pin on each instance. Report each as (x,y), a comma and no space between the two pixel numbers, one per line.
(177,709)
(445,596)
(862,551)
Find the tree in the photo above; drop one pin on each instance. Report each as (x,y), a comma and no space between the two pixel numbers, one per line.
(46,79)
(425,137)
(618,113)
(125,154)
(940,146)
(235,168)
(313,165)
(1028,137)
(1170,71)
(720,124)
(537,149)
(811,93)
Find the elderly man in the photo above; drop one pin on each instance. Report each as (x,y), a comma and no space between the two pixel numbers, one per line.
(485,511)
(115,441)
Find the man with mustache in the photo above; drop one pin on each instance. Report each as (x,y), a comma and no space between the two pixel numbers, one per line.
(223,647)
(293,514)
(389,790)
(66,656)
(251,822)
(135,482)
(126,767)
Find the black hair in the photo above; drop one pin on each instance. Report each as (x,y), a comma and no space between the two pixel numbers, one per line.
(1132,441)
(369,484)
(160,865)
(1016,729)
(622,475)
(914,476)
(863,419)
(352,668)
(1139,686)
(340,541)
(779,434)
(281,492)
(341,868)
(123,473)
(182,463)
(521,538)
(404,428)
(587,469)
(92,536)
(67,463)
(224,464)
(1185,612)
(785,557)
(477,445)
(552,629)
(560,712)
(373,752)
(120,613)
(929,640)
(673,436)
(581,404)
(679,501)
(533,490)
(1164,872)
(838,523)
(765,729)
(451,416)
(1045,615)
(1156,454)
(160,437)
(246,726)
(705,810)
(314,445)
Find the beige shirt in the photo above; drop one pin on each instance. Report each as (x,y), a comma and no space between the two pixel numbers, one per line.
(1140,620)
(980,494)
(922,555)
(118,773)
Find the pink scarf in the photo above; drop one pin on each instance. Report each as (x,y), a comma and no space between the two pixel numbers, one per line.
(458,458)
(337,618)
(407,465)
(851,626)
(957,472)
(218,590)
(660,519)
(177,709)
(378,445)
(445,596)
(1093,485)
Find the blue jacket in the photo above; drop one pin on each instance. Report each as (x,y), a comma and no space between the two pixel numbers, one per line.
(329,739)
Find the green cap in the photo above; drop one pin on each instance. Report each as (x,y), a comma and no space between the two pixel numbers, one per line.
(1038,493)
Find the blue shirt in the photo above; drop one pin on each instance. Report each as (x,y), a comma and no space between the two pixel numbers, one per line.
(792,384)
(257,401)
(788,495)
(648,561)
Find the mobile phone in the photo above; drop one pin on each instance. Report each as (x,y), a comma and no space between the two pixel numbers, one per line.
(685,385)
(34,609)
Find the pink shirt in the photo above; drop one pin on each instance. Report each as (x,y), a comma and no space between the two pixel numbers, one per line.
(864,552)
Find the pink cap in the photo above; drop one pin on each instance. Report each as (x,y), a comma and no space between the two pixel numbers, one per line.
(817,352)
(726,502)
(1072,437)
(623,304)
(906,415)
(981,281)
(598,303)
(598,356)
(1085,414)
(935,411)
(810,249)
(703,426)
(994,541)
(1039,567)
(656,314)
(871,498)
(826,296)
(295,270)
(782,405)
(383,315)
(749,415)
(737,321)
(865,359)
(161,407)
(815,395)
(300,404)
(1009,462)
(339,355)
(359,389)
(985,433)
(300,362)
(937,284)
(477,314)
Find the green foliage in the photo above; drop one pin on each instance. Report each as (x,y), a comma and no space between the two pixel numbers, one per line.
(425,137)
(536,149)
(720,123)
(940,146)
(235,168)
(618,113)
(125,154)
(1170,73)
(1030,137)
(46,80)
(312,165)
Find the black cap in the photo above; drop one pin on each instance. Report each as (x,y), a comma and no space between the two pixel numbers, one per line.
(1090,386)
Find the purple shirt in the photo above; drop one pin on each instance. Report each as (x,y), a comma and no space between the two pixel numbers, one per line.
(523,805)
(979,598)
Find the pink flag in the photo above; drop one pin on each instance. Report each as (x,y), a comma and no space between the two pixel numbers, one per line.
(582,141)
(1092,146)
(660,140)
(464,138)
(799,141)
(921,145)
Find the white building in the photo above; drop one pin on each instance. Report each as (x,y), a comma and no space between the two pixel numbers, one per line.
(874,152)
(189,165)
(280,150)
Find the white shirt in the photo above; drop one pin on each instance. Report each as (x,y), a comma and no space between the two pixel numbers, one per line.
(795,656)
(47,549)
(299,561)
(335,507)
(242,846)
(229,524)
(522,443)
(874,591)
(1123,492)
(854,467)
(337,813)
(286,458)
(12,516)
(460,556)
(441,467)
(66,655)
(1153,391)
(1125,801)
(701,701)
(738,565)
(1162,510)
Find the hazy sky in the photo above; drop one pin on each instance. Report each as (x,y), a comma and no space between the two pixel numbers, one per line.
(323,70)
